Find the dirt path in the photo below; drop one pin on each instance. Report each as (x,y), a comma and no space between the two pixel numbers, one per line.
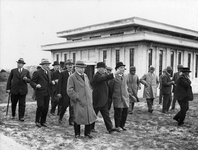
(145,131)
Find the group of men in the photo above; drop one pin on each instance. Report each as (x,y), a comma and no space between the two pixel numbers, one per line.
(69,87)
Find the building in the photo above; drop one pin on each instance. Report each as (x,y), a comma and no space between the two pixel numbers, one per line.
(134,41)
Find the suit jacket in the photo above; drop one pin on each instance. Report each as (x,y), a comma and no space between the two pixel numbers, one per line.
(62,84)
(166,84)
(175,77)
(80,93)
(100,89)
(182,85)
(55,76)
(15,82)
(40,77)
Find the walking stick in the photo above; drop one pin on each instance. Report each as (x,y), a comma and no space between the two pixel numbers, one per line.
(8,104)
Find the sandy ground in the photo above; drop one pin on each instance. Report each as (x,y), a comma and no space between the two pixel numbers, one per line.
(146,131)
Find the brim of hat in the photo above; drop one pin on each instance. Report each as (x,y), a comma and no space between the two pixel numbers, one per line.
(101,67)
(56,65)
(120,66)
(80,66)
(186,71)
(21,62)
(44,63)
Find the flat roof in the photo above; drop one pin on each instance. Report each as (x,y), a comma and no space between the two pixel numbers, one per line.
(134,21)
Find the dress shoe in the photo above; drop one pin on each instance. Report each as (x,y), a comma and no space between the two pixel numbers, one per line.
(21,119)
(176,119)
(44,124)
(112,130)
(38,124)
(71,123)
(89,136)
(94,131)
(60,121)
(77,136)
(13,117)
(123,128)
(130,112)
(180,123)
(150,110)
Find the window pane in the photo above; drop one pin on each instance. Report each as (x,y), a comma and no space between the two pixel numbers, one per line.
(57,57)
(104,56)
(131,57)
(74,57)
(160,61)
(149,58)
(172,59)
(117,56)
(179,58)
(189,60)
(196,67)
(65,57)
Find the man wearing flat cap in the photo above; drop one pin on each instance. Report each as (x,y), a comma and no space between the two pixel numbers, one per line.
(166,89)
(150,82)
(55,73)
(80,92)
(41,83)
(175,77)
(62,93)
(17,87)
(101,93)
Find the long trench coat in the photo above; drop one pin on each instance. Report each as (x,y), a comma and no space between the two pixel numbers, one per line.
(80,92)
(152,81)
(120,95)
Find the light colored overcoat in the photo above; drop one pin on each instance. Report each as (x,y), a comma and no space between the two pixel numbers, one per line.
(120,95)
(152,81)
(80,92)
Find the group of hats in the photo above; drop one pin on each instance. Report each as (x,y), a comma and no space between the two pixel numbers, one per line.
(183,69)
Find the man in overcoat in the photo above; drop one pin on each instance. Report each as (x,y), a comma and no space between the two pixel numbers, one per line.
(17,87)
(133,84)
(120,97)
(41,83)
(80,92)
(183,83)
(166,89)
(101,94)
(62,93)
(150,82)
(175,77)
(55,73)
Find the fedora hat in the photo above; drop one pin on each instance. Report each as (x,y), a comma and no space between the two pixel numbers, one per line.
(101,65)
(109,68)
(55,63)
(80,64)
(21,61)
(119,64)
(69,62)
(44,61)
(179,66)
(185,69)
(132,68)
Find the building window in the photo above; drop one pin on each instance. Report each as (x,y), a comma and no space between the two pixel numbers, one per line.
(160,61)
(189,60)
(65,57)
(104,56)
(179,58)
(196,66)
(131,57)
(172,59)
(117,56)
(57,57)
(74,58)
(149,58)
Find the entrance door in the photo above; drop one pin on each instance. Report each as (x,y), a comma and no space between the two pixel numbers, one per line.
(90,70)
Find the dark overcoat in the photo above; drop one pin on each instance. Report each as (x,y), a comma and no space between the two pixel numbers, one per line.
(44,79)
(182,85)
(80,92)
(166,84)
(15,82)
(100,89)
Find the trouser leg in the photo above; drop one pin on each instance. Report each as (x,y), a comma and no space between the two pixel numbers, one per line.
(40,108)
(149,104)
(117,116)
(184,108)
(64,105)
(76,129)
(14,100)
(174,101)
(87,129)
(124,117)
(96,112)
(160,96)
(21,109)
(71,113)
(45,110)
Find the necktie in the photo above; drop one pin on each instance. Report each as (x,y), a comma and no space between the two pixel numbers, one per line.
(82,76)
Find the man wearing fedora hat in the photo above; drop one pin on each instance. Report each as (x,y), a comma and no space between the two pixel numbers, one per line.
(80,92)
(62,93)
(17,87)
(166,89)
(41,83)
(55,73)
(101,94)
(175,77)
(183,84)
(150,82)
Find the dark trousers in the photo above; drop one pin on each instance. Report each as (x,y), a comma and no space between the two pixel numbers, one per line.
(180,116)
(77,129)
(160,96)
(21,107)
(120,116)
(174,101)
(105,114)
(65,103)
(109,103)
(42,108)
(166,102)
(150,103)
(54,104)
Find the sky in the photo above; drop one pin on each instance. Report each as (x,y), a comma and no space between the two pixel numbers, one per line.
(25,25)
